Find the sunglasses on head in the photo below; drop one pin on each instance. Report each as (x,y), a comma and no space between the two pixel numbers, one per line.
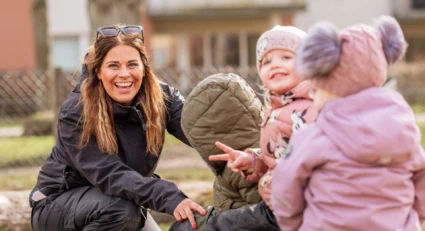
(112,31)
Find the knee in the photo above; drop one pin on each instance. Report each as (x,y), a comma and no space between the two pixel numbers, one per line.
(128,210)
(121,215)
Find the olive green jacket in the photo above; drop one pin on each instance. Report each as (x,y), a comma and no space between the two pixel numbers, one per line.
(223,107)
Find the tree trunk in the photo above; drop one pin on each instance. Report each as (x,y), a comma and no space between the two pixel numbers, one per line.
(113,12)
(42,40)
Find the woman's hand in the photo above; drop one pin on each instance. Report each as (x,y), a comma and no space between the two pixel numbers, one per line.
(185,209)
(236,160)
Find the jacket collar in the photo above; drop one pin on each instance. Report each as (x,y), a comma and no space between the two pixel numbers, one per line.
(131,113)
(299,92)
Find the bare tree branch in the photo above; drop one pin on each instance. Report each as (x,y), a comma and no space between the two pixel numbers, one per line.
(112,12)
(42,40)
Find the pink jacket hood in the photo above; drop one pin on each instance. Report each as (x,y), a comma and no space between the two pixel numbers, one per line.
(355,126)
(345,172)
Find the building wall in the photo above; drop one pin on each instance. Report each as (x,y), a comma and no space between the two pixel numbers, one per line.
(403,9)
(342,13)
(17,50)
(69,29)
(412,22)
(205,42)
(210,25)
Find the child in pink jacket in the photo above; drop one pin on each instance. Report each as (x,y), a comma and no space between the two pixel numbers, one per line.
(360,166)
(289,109)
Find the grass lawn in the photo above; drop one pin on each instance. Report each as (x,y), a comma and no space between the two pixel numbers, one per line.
(15,122)
(164,226)
(24,149)
(30,151)
(190,174)
(422,127)
(418,108)
(18,181)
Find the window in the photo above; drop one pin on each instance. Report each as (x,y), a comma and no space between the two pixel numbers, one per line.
(64,53)
(418,4)
(232,48)
(225,49)
(196,50)
(252,46)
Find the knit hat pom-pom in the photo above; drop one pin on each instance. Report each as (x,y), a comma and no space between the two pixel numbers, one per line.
(393,43)
(320,52)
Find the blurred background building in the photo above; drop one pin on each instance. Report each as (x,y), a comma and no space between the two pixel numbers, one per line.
(190,33)
(44,41)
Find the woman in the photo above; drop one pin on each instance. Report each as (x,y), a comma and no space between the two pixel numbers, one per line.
(110,134)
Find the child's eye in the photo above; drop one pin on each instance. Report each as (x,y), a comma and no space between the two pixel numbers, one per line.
(265,62)
(287,57)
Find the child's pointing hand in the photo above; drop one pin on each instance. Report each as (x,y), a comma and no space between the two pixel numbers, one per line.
(236,160)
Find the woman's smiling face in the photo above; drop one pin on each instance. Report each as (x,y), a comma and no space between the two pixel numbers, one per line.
(121,73)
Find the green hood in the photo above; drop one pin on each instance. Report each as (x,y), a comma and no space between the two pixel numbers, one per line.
(222,107)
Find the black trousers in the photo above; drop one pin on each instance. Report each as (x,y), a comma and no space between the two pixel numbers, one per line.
(86,209)
(257,217)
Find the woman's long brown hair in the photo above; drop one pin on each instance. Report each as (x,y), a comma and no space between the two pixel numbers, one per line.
(97,117)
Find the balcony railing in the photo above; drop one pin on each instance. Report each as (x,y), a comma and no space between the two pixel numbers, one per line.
(160,7)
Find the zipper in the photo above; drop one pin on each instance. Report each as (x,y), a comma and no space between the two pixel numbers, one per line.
(65,180)
(139,113)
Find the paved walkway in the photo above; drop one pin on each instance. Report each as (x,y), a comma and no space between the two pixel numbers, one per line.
(11,131)
(420,118)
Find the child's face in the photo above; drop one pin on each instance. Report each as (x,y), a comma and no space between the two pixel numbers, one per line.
(277,72)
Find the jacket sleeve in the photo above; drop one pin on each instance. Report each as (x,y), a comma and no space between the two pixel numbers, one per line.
(291,177)
(174,104)
(419,182)
(112,177)
(249,192)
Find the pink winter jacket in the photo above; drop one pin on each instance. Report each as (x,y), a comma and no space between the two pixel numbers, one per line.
(358,167)
(287,113)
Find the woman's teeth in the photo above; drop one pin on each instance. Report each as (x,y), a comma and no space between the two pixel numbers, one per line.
(123,84)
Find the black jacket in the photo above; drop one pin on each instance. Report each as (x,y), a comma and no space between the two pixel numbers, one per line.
(127,174)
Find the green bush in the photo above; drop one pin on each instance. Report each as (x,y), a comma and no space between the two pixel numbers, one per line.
(39,124)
